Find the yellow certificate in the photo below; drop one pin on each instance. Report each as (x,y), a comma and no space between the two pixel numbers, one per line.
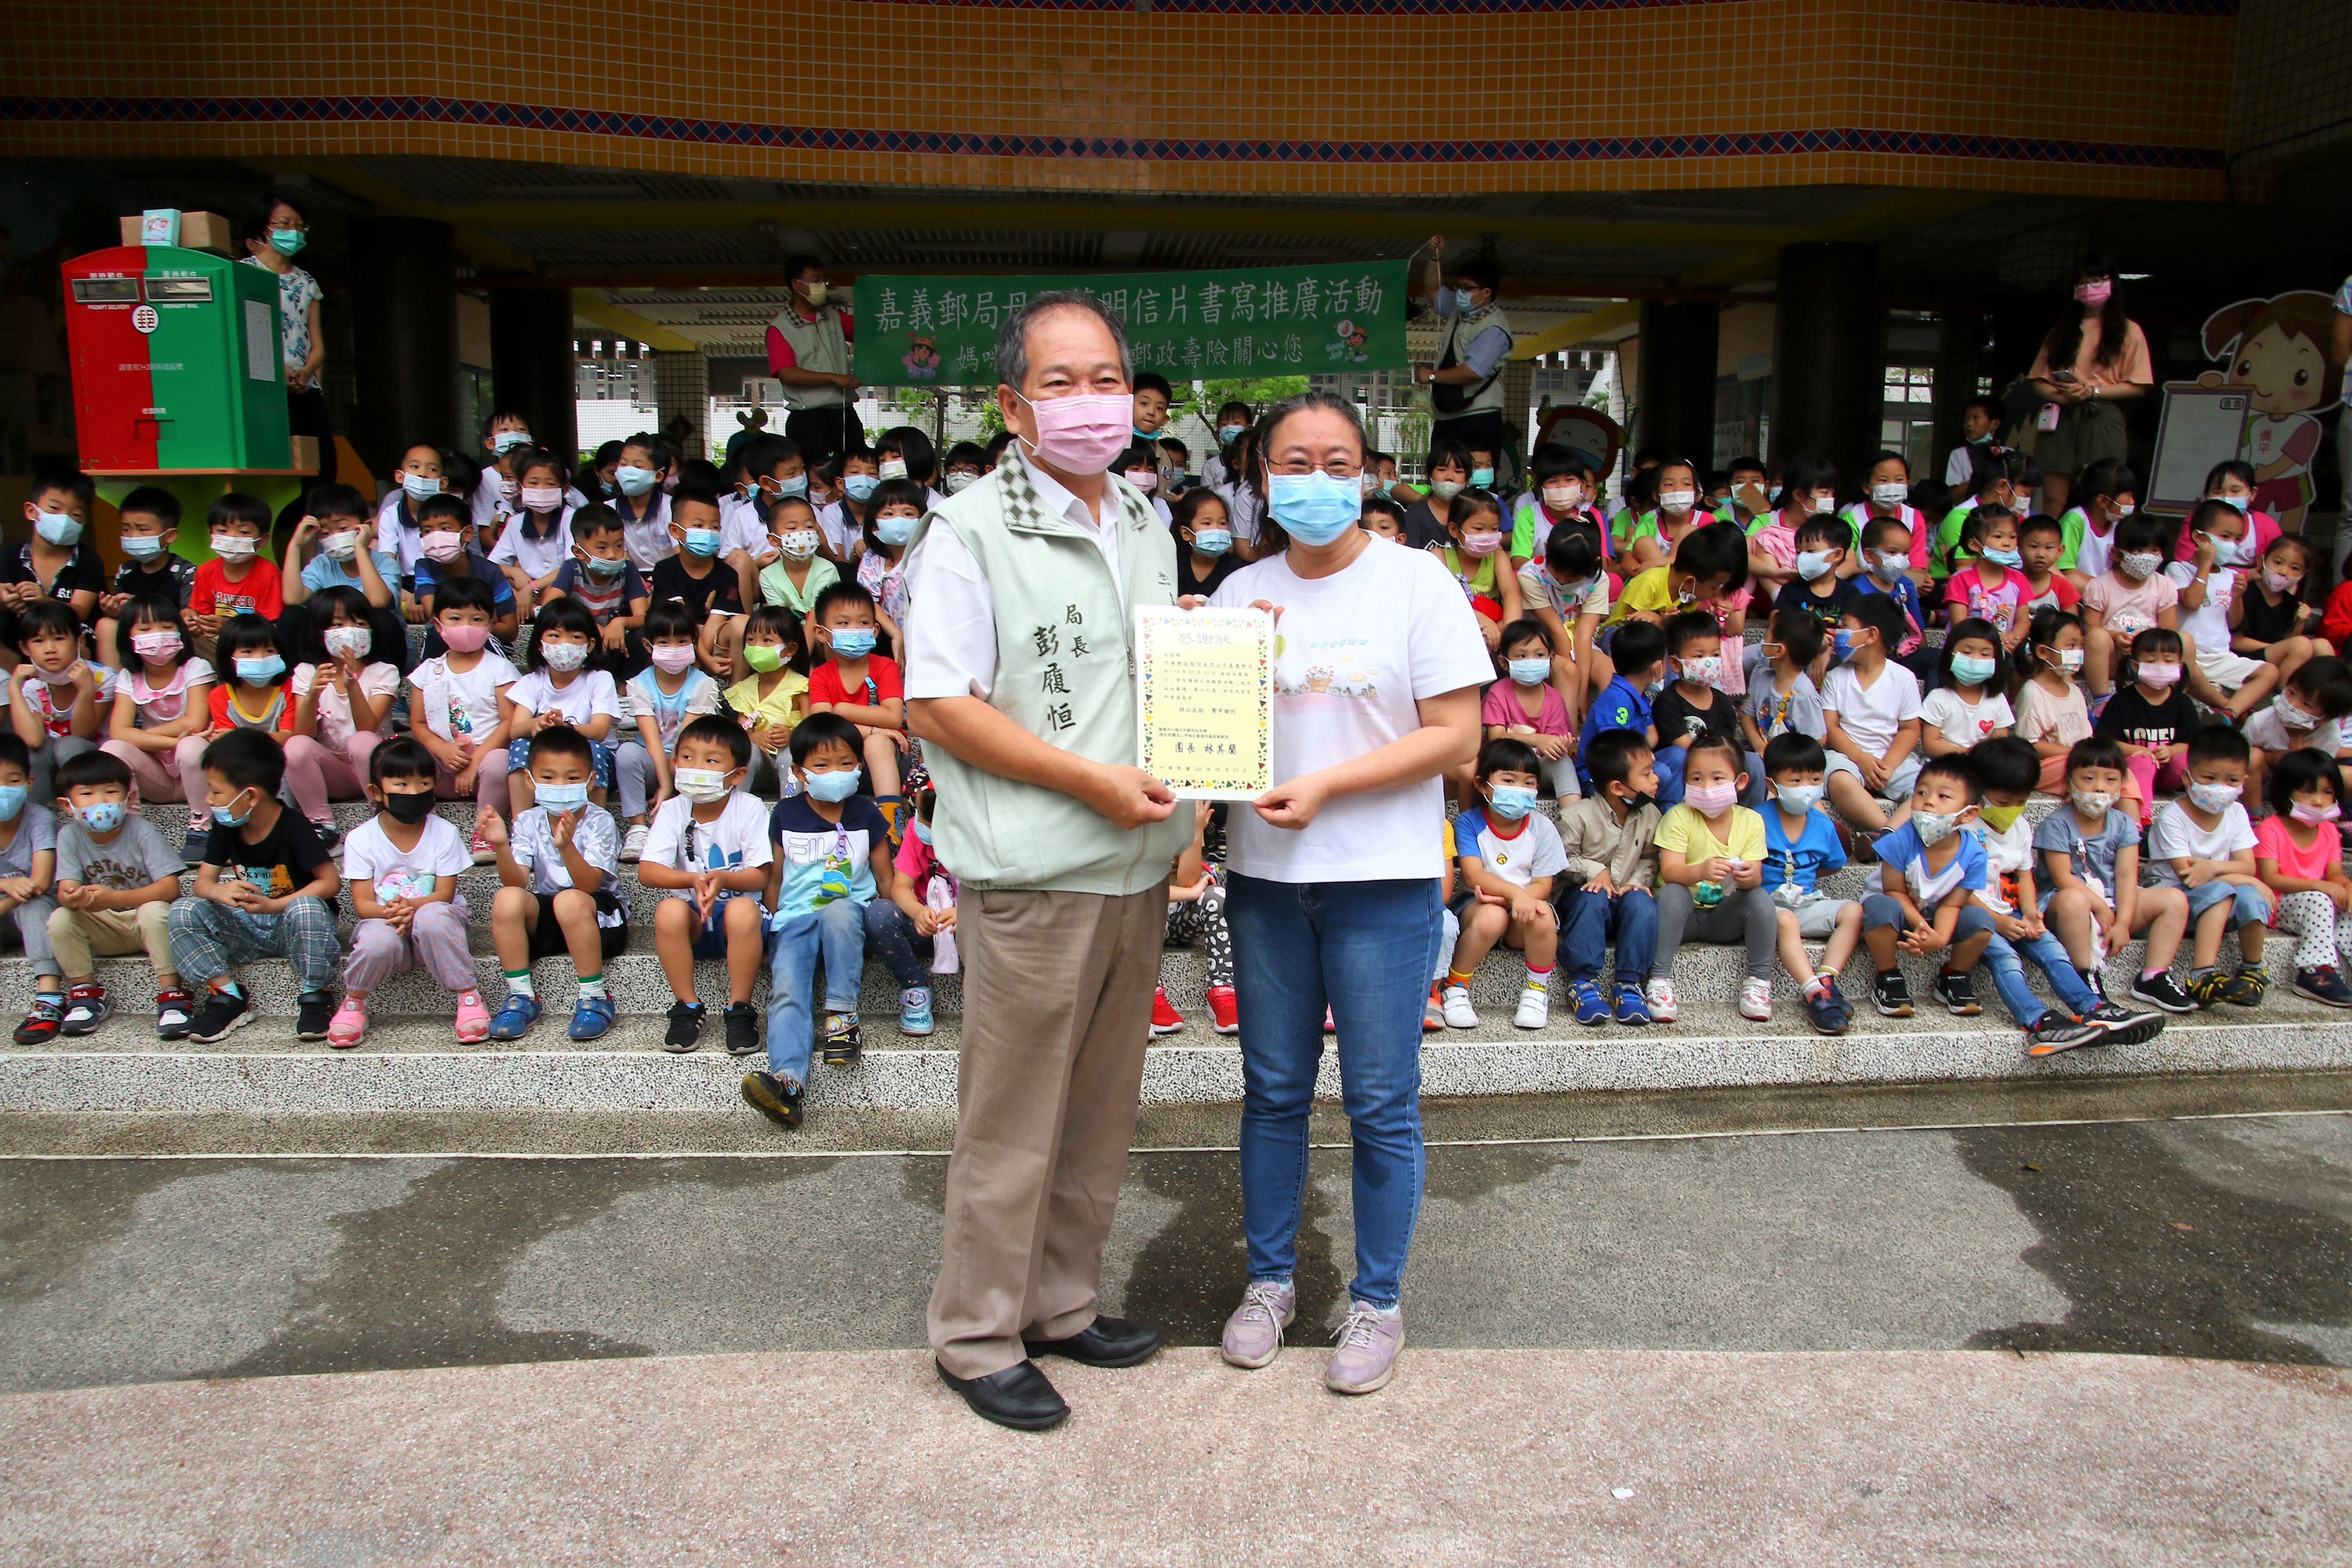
(1204,699)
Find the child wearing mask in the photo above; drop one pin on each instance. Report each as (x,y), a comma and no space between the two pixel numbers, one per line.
(1204,540)
(338,538)
(559,688)
(1559,496)
(925,898)
(772,699)
(2041,541)
(504,446)
(599,577)
(1381,518)
(1802,846)
(2203,844)
(2090,888)
(860,685)
(537,540)
(842,489)
(29,864)
(559,866)
(2309,713)
(904,452)
(1233,420)
(251,694)
(773,470)
(1870,712)
(1509,855)
(2002,482)
(643,503)
(2269,620)
(342,698)
(1693,706)
(2233,482)
(151,523)
(236,581)
(1980,424)
(1473,521)
(1886,554)
(1655,534)
(657,705)
(1782,699)
(1824,586)
(455,710)
(1710,879)
(115,878)
(402,865)
(798,574)
(1139,467)
(2150,720)
(967,460)
(897,505)
(1969,705)
(2051,714)
(2210,582)
(1609,839)
(163,701)
(2133,594)
(58,562)
(1988,585)
(2299,855)
(1639,652)
(1567,592)
(2106,493)
(446,555)
(1748,485)
(1808,489)
(709,852)
(694,578)
(1886,499)
(57,700)
(423,474)
(1525,707)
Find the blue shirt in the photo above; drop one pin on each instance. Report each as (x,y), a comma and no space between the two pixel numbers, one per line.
(1903,851)
(825,862)
(1815,852)
(1906,593)
(477,566)
(1620,706)
(324,571)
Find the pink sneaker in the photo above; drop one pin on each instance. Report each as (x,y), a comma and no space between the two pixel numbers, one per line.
(348,1023)
(473,1018)
(1366,1357)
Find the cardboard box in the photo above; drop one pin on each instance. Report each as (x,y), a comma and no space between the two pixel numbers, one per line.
(198,231)
(305,454)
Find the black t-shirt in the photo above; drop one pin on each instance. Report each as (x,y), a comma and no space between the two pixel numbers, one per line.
(176,579)
(1186,582)
(1828,610)
(2132,719)
(82,570)
(2265,622)
(1675,718)
(287,857)
(1424,528)
(716,589)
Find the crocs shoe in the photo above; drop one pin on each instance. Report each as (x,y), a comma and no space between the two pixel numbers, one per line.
(591,1017)
(473,1018)
(515,1019)
(349,1024)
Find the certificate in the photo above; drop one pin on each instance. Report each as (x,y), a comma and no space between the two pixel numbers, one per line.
(1204,699)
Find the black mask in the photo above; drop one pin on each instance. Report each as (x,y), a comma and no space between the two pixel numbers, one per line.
(408,809)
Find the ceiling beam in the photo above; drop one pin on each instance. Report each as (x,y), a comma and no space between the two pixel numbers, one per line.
(1578,329)
(589,306)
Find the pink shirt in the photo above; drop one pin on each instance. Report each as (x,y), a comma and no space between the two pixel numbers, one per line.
(1503,707)
(1778,540)
(2000,603)
(2273,842)
(2116,602)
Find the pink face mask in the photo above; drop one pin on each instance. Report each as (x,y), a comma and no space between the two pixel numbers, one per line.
(2313,815)
(2160,674)
(443,546)
(2094,293)
(509,489)
(671,659)
(1085,434)
(155,644)
(1712,800)
(466,637)
(541,498)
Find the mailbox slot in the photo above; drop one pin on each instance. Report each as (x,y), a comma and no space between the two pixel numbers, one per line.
(106,290)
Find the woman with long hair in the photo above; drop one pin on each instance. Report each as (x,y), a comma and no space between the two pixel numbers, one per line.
(2093,360)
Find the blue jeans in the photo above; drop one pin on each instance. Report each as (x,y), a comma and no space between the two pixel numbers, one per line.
(1360,948)
(892,937)
(837,933)
(1591,921)
(2049,955)
(1670,762)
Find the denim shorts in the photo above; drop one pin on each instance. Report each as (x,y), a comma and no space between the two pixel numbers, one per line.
(2251,909)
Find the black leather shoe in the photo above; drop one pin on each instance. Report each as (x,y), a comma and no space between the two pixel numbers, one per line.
(1106,1342)
(1019,1397)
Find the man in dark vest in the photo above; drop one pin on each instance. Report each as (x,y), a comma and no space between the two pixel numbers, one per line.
(1466,384)
(809,350)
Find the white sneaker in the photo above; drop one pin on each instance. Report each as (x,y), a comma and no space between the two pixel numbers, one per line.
(1755,1000)
(1459,1013)
(1535,1007)
(1660,996)
(632,846)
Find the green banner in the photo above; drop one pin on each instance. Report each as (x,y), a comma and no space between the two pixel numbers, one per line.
(1188,326)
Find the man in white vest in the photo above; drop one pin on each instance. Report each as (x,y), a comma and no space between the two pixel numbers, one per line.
(1466,382)
(1020,683)
(809,346)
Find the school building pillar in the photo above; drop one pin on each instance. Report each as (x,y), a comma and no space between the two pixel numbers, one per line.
(405,336)
(532,368)
(1676,398)
(1828,380)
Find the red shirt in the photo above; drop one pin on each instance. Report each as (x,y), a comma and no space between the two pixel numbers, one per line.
(259,594)
(780,353)
(881,675)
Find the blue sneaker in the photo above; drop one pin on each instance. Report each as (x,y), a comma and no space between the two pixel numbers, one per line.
(516,1018)
(1630,1008)
(1584,996)
(591,1017)
(915,1010)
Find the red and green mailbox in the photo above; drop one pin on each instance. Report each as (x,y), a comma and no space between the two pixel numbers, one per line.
(176,362)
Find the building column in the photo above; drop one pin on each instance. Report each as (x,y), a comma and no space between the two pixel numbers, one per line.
(1677,398)
(1828,380)
(682,391)
(532,369)
(405,336)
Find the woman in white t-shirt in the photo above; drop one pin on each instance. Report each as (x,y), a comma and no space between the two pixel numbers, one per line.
(1334,896)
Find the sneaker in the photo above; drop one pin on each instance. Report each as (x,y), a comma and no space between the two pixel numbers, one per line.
(2098,704)
(175,1010)
(514,1018)
(2246,988)
(330,836)
(2205,990)
(1165,1019)
(2322,985)
(41,1024)
(349,1024)
(1254,1333)
(1366,1357)
(86,1009)
(1331,1027)
(1432,1010)
(479,848)
(313,1013)
(591,1017)
(1958,996)
(685,1031)
(2163,991)
(915,1011)
(1459,1013)
(1755,1000)
(2097,981)
(1660,996)
(2126,1026)
(633,843)
(1632,1010)
(777,1099)
(1535,1007)
(1890,995)
(1826,1011)
(473,1018)
(225,1013)
(2057,1032)
(1585,1001)
(843,1041)
(743,1022)
(1225,1010)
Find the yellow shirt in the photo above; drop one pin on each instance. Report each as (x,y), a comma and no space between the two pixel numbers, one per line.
(1646,592)
(1686,830)
(775,710)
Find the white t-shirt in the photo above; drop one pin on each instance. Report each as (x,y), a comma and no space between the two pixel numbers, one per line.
(1872,716)
(1961,725)
(648,539)
(1536,850)
(2209,622)
(378,680)
(2268,731)
(461,705)
(370,856)
(840,530)
(740,528)
(737,841)
(1536,591)
(590,692)
(2006,852)
(536,557)
(1354,654)
(2174,835)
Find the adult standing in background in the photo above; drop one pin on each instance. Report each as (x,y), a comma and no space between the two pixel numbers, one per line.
(2093,363)
(274,234)
(809,345)
(1333,872)
(1466,384)
(1018,681)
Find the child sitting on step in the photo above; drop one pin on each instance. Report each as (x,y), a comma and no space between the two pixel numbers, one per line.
(1509,856)
(559,866)
(2299,855)
(115,878)
(708,850)
(402,865)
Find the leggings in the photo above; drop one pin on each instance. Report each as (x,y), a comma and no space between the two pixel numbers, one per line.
(314,773)
(1745,914)
(1202,919)
(161,775)
(2319,930)
(435,942)
(490,780)
(2148,778)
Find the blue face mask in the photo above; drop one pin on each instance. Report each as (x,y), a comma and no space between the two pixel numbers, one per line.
(1465,300)
(221,814)
(1798,799)
(1842,644)
(1213,540)
(1969,669)
(260,670)
(634,482)
(1483,478)
(896,531)
(287,241)
(795,486)
(702,541)
(562,797)
(12,801)
(604,567)
(1511,802)
(59,529)
(1225,433)
(833,787)
(2244,503)
(420,487)
(1315,508)
(99,816)
(2010,558)
(852,642)
(1530,671)
(922,830)
(142,546)
(860,486)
